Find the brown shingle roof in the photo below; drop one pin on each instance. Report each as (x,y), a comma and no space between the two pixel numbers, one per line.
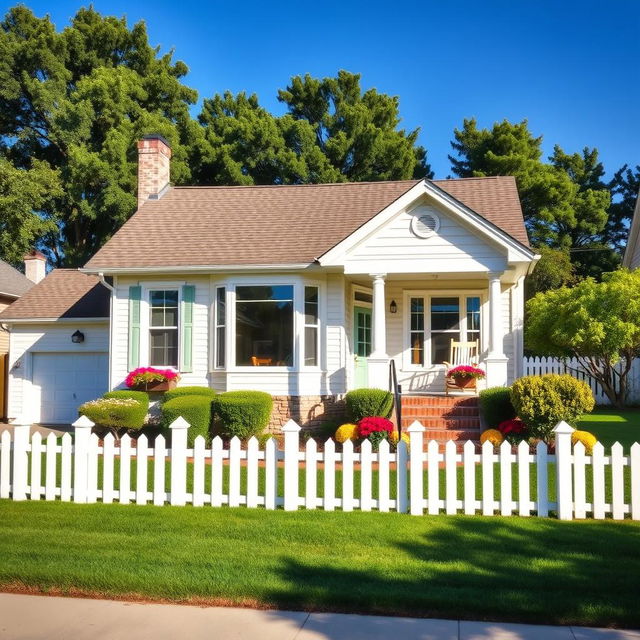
(64,293)
(12,282)
(287,224)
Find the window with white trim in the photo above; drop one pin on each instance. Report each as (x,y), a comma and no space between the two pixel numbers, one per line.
(436,320)
(311,326)
(164,312)
(221,326)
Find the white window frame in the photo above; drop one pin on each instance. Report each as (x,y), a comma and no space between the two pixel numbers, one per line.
(215,351)
(462,295)
(306,325)
(145,320)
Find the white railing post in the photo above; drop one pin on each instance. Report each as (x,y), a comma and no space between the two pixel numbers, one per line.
(81,433)
(20,460)
(416,471)
(291,432)
(564,477)
(179,428)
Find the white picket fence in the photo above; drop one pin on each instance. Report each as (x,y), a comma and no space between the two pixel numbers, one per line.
(539,366)
(80,469)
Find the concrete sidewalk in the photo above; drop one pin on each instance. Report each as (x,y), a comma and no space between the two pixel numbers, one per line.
(33,617)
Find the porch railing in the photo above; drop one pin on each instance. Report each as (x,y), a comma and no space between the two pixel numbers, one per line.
(396,389)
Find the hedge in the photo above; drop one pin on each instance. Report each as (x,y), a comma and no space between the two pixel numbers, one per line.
(366,403)
(496,405)
(116,412)
(179,392)
(140,396)
(196,410)
(242,413)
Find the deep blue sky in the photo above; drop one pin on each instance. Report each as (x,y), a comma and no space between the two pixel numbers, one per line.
(572,68)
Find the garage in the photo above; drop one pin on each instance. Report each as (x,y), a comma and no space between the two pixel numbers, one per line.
(61,382)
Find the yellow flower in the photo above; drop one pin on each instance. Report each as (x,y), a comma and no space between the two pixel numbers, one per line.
(587,439)
(393,437)
(493,436)
(346,432)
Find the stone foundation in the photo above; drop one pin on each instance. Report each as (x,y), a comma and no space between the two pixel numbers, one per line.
(308,411)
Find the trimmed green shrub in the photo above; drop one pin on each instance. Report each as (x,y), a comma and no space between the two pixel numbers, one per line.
(368,403)
(196,410)
(178,392)
(242,413)
(542,401)
(116,412)
(140,396)
(496,406)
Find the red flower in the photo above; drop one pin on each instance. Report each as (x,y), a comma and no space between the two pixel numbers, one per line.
(465,371)
(512,426)
(149,374)
(367,426)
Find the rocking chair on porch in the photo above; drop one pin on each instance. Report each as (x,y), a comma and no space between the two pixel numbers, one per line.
(462,353)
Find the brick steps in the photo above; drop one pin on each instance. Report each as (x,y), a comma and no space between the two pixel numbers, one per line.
(431,422)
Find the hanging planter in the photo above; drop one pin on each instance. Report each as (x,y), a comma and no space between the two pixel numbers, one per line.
(465,376)
(151,379)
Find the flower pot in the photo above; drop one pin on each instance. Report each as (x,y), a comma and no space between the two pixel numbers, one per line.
(463,383)
(160,385)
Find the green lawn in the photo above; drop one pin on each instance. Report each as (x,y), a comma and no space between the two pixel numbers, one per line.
(613,425)
(533,570)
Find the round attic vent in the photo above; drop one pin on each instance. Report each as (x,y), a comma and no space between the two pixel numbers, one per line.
(425,225)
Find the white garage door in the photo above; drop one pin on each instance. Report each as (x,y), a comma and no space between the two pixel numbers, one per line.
(63,381)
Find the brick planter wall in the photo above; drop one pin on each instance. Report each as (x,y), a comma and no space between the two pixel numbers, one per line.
(308,411)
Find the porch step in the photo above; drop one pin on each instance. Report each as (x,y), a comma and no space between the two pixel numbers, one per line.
(441,412)
(458,435)
(439,422)
(440,401)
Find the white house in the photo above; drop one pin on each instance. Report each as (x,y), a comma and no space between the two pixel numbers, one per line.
(304,291)
(631,258)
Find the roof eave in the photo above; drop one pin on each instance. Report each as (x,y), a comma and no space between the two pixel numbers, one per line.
(196,268)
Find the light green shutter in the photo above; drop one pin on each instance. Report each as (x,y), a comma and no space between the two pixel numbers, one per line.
(186,326)
(135,295)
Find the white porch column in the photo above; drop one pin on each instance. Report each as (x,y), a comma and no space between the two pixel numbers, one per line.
(496,362)
(378,362)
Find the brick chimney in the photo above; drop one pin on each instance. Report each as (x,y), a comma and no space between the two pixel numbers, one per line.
(35,266)
(154,156)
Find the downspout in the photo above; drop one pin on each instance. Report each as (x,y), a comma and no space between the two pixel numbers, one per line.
(112,289)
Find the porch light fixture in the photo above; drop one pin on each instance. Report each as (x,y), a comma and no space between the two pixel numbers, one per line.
(393,307)
(77,337)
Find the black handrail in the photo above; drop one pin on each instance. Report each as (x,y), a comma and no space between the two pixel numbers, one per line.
(396,389)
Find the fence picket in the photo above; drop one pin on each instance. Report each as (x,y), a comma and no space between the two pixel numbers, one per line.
(416,471)
(92,468)
(579,486)
(159,459)
(109,453)
(451,478)
(5,464)
(542,480)
(402,457)
(617,481)
(366,460)
(506,502)
(65,468)
(433,478)
(347,476)
(329,502)
(634,462)
(178,460)
(524,499)
(198,472)
(469,473)
(36,466)
(252,472)
(384,458)
(311,474)
(270,473)
(597,469)
(142,454)
(234,472)
(291,463)
(50,467)
(487,479)
(124,485)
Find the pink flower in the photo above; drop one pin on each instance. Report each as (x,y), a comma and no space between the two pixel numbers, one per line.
(366,426)
(465,371)
(142,375)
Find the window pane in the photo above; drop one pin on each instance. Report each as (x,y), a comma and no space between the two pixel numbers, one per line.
(220,346)
(417,314)
(311,346)
(473,318)
(417,348)
(221,317)
(164,308)
(311,305)
(164,347)
(359,296)
(445,314)
(264,331)
(279,292)
(441,347)
(363,334)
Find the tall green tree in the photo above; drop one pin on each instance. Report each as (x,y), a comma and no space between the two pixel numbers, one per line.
(625,187)
(77,101)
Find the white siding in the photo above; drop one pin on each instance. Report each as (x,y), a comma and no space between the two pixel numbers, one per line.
(635,257)
(336,339)
(396,249)
(46,338)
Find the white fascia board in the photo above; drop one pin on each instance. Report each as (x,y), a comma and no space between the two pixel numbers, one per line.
(516,251)
(56,320)
(196,269)
(634,235)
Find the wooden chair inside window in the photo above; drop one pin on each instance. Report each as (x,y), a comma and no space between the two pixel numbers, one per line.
(260,362)
(461,353)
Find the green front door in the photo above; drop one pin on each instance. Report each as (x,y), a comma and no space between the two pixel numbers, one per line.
(362,342)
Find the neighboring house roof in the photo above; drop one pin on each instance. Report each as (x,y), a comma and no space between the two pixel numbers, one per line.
(64,293)
(13,284)
(631,257)
(284,224)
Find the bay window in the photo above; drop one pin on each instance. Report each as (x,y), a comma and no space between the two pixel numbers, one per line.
(311,326)
(221,326)
(436,320)
(163,327)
